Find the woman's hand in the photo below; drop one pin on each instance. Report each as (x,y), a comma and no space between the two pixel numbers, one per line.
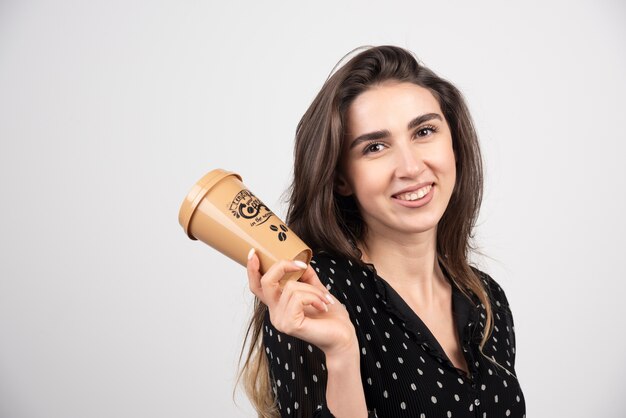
(303,309)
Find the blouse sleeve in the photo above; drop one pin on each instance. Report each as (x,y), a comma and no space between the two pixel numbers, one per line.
(297,374)
(503,318)
(509,329)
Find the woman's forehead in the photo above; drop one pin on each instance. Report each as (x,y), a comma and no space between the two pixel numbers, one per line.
(389,104)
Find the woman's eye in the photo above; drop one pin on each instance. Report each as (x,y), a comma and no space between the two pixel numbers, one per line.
(425,131)
(375,147)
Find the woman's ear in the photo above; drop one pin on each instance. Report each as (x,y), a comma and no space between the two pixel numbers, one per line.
(342,186)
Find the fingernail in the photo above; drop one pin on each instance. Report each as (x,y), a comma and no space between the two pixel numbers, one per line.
(300,264)
(250,254)
(326,307)
(330,298)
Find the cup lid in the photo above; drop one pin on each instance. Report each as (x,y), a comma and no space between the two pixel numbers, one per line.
(197,192)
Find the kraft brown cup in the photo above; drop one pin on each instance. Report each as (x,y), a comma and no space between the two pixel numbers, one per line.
(221,212)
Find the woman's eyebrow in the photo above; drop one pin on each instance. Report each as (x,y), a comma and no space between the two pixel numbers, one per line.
(423,118)
(372,136)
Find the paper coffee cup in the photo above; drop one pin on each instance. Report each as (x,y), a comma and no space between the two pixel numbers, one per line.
(221,212)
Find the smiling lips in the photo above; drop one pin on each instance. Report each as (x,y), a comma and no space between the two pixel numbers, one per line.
(414,195)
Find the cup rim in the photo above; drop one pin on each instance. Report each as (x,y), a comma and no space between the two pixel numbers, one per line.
(197,193)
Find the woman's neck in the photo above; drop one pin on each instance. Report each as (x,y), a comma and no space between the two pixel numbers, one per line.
(409,265)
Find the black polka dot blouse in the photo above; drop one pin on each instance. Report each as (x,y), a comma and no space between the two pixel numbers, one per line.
(404,370)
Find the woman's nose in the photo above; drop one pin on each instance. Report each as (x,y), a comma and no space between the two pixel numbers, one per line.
(408,162)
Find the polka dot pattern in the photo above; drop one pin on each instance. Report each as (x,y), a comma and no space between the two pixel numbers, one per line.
(404,370)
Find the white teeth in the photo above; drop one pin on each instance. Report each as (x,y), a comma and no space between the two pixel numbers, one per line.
(415,195)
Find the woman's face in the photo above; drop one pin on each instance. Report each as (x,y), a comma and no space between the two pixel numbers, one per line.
(398,159)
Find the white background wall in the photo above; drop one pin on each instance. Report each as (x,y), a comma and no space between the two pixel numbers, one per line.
(111,110)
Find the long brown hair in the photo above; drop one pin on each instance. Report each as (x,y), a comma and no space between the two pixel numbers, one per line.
(325,220)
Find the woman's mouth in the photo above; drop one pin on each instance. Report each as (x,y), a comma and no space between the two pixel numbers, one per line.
(415,195)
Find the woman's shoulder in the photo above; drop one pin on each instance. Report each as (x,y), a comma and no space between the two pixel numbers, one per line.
(327,264)
(496,293)
(327,260)
(338,272)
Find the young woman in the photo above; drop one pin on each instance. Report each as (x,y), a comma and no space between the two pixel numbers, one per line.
(389,319)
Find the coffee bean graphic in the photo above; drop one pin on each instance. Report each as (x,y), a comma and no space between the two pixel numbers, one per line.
(282,236)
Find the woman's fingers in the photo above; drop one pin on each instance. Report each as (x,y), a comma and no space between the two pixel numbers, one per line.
(293,288)
(267,286)
(301,308)
(289,316)
(254,275)
(270,282)
(310,277)
(293,305)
